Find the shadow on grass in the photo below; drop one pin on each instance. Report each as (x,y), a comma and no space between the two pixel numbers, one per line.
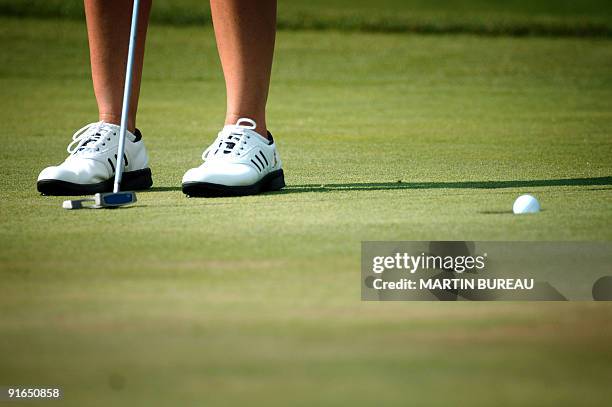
(164,189)
(384,186)
(508,212)
(505,212)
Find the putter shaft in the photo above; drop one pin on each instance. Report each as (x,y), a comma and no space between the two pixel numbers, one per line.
(127,93)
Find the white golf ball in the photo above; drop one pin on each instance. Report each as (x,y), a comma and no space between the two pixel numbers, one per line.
(526,204)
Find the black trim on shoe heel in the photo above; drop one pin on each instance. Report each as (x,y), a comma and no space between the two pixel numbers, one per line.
(271,182)
(276,182)
(131,181)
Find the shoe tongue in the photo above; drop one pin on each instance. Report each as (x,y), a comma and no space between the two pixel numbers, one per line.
(229,128)
(101,130)
(113,128)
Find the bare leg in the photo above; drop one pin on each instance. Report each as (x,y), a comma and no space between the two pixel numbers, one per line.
(108,28)
(245,31)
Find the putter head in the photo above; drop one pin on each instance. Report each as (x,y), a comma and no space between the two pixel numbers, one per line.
(103,200)
(114,199)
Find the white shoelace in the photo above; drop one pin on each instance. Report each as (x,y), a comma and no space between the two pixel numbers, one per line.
(87,137)
(228,140)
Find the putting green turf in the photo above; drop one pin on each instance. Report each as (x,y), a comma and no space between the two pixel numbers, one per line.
(256,299)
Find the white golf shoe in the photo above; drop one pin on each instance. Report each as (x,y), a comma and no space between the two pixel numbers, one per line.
(90,167)
(238,162)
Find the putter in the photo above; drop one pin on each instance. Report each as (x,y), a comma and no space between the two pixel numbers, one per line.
(117,198)
(102,200)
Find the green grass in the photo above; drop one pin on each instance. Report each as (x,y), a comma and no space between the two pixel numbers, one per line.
(486,17)
(255,300)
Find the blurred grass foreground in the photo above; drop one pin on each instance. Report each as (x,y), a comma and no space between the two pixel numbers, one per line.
(585,18)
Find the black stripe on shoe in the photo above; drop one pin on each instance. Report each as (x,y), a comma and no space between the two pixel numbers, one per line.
(259,159)
(264,157)
(255,164)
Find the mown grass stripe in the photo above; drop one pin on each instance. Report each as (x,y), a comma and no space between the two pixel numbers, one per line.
(500,23)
